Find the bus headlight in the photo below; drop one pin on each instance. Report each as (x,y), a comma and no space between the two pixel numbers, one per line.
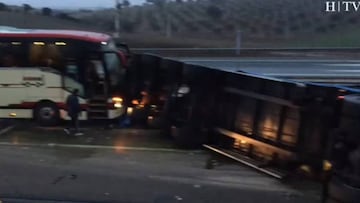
(117,99)
(183,90)
(118,105)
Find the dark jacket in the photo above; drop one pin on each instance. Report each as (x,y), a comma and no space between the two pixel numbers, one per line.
(73,105)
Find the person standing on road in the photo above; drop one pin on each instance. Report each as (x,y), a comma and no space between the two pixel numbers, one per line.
(73,107)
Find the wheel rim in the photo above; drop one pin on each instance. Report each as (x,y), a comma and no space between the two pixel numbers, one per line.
(47,113)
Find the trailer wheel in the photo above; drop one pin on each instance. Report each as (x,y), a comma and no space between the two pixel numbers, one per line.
(47,113)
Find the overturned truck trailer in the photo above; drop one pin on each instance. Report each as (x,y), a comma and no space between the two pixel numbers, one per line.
(268,120)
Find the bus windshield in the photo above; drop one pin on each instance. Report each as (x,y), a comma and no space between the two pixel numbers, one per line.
(115,70)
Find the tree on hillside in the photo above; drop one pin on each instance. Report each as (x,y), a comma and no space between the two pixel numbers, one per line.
(336,17)
(66,16)
(27,8)
(3,7)
(119,6)
(127,25)
(46,11)
(159,3)
(214,12)
(126,3)
(163,6)
(353,20)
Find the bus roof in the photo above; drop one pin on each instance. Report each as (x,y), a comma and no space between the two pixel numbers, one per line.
(63,34)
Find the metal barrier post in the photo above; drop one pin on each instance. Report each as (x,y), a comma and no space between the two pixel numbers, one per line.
(238,42)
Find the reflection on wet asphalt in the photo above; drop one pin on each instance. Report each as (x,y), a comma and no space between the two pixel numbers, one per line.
(72,154)
(116,137)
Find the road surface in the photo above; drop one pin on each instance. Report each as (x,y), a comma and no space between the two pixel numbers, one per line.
(298,69)
(32,171)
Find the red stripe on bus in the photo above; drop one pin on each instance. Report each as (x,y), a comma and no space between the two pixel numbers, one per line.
(28,105)
(62,105)
(62,34)
(24,105)
(31,105)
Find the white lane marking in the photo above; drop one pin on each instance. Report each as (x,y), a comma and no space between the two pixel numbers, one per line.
(345,71)
(100,147)
(5,130)
(344,64)
(301,74)
(265,60)
(258,182)
(58,128)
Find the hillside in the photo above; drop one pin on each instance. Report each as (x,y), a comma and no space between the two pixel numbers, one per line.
(262,23)
(26,16)
(206,23)
(23,20)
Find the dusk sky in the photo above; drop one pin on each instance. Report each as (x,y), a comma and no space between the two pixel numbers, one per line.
(68,3)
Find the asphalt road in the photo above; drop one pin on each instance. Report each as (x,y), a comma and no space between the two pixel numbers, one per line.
(298,69)
(85,173)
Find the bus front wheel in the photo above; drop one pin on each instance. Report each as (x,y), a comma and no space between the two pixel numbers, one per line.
(47,113)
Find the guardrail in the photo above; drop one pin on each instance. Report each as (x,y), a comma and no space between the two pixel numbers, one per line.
(228,52)
(339,80)
(255,49)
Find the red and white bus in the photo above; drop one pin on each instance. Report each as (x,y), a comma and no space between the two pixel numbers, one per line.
(40,68)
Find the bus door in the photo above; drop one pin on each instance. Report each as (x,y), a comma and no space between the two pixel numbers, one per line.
(72,77)
(96,80)
(96,84)
(116,72)
(102,79)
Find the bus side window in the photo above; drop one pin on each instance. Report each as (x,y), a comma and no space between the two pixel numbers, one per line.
(13,54)
(47,55)
(8,60)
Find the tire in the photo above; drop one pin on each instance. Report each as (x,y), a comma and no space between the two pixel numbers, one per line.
(47,114)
